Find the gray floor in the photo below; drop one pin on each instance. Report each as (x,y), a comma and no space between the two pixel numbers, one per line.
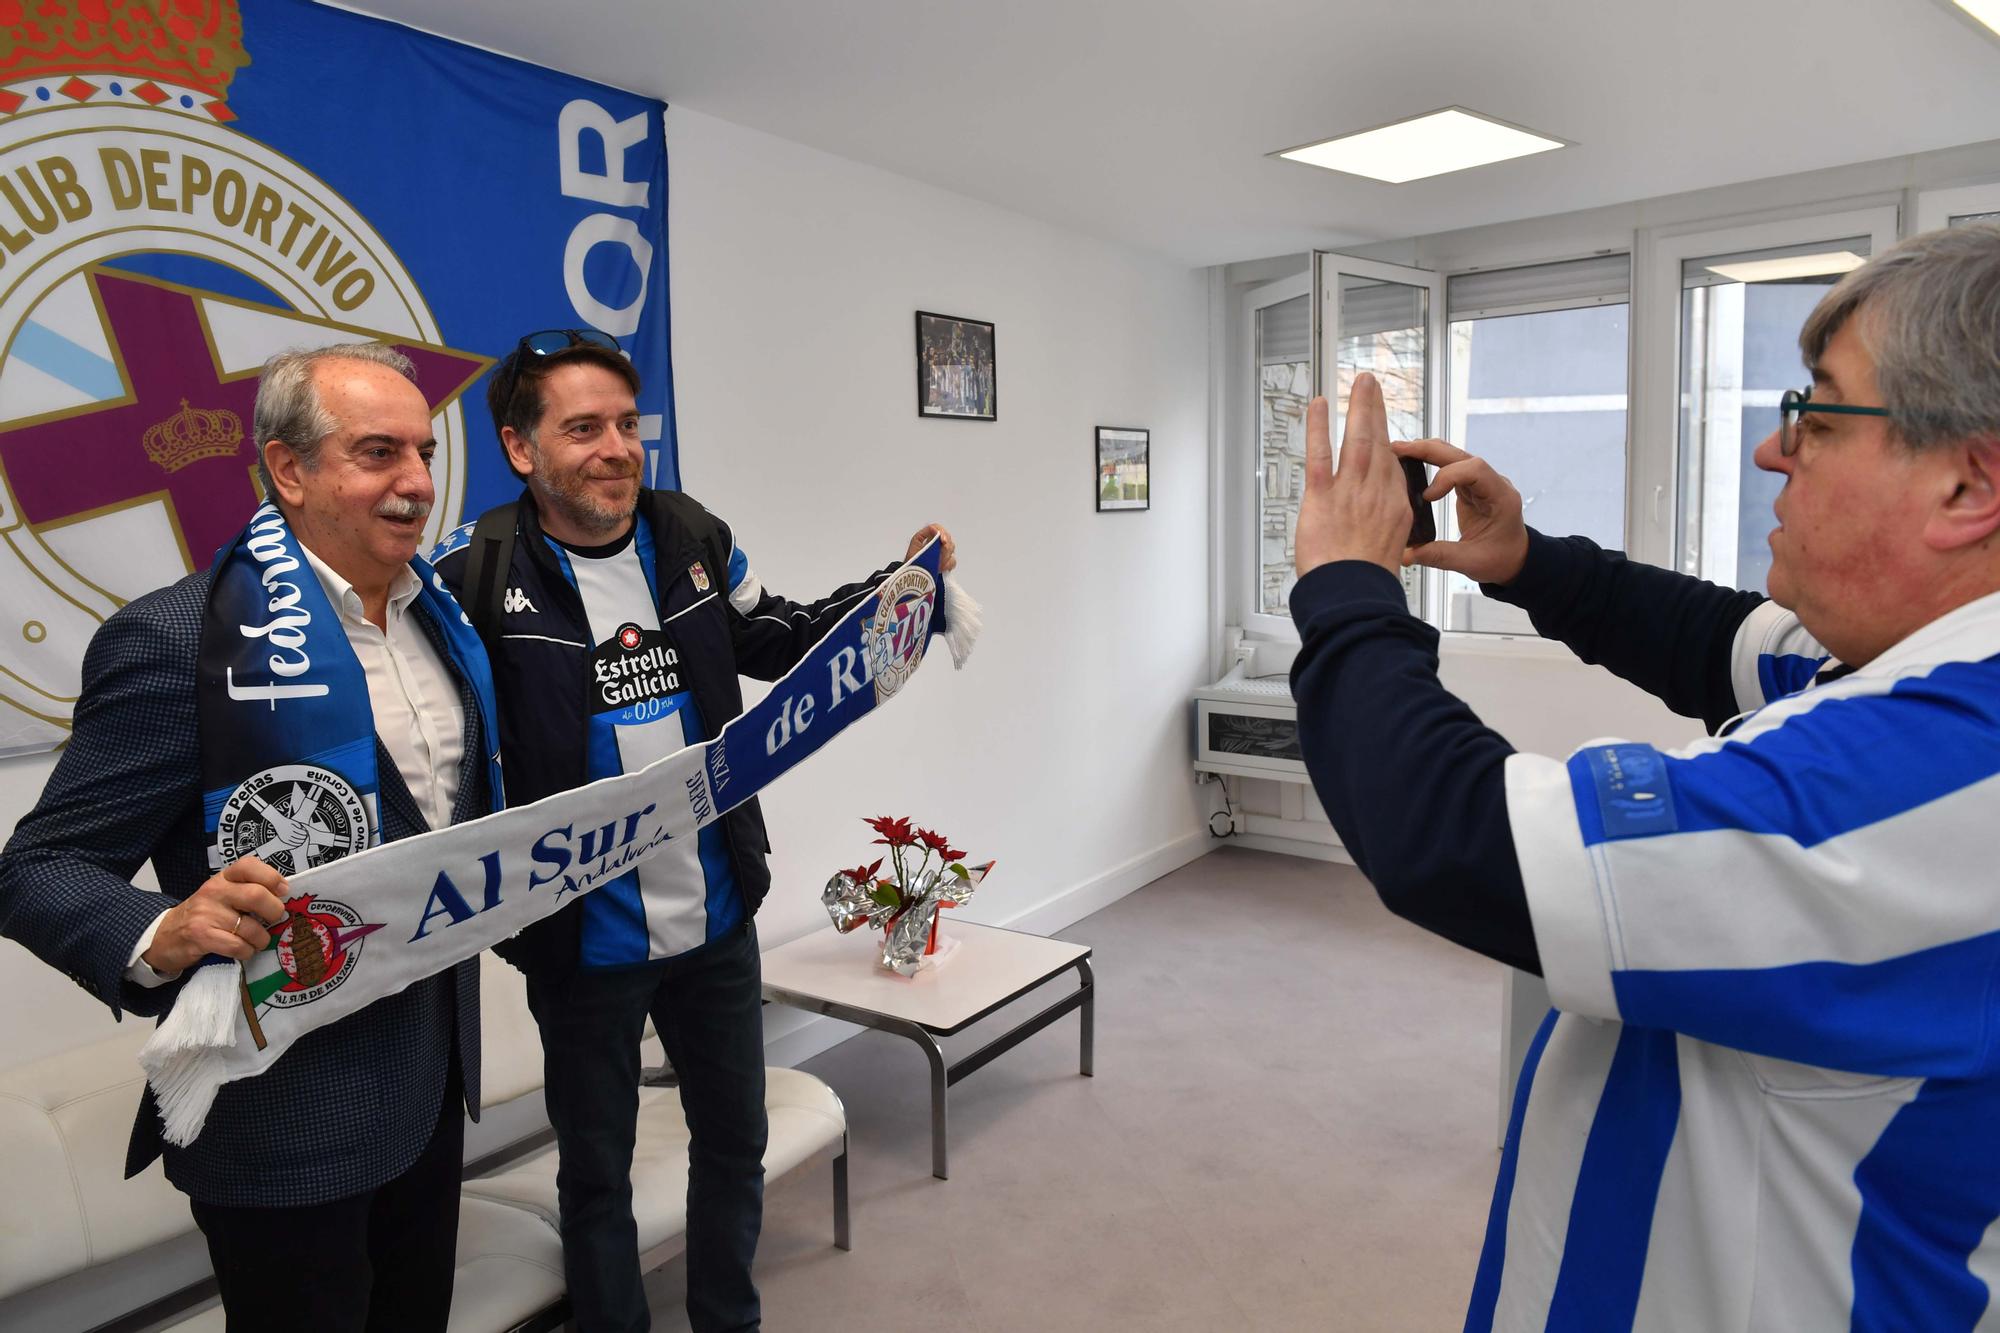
(1291,1127)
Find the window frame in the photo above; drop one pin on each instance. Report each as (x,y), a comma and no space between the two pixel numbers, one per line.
(1936,208)
(1449,376)
(1257,621)
(1425,587)
(1653,460)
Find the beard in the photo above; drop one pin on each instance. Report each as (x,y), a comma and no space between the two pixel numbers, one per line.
(570,494)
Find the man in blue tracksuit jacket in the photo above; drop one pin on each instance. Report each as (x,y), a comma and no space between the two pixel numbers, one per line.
(618,620)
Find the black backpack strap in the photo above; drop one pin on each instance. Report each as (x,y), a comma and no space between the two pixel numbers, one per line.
(700,524)
(490,556)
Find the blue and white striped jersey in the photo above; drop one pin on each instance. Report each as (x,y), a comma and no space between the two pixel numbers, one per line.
(640,711)
(1770,1099)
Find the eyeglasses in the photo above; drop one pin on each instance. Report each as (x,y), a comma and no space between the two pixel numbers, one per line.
(548,342)
(1797,402)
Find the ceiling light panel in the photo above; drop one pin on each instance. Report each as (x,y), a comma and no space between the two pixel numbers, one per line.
(1430,145)
(1986,11)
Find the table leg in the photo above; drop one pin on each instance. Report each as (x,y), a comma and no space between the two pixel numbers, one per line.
(1084,998)
(939,1112)
(1087,1057)
(940,1082)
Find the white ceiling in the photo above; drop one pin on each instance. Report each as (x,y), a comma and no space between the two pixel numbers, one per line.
(1148,121)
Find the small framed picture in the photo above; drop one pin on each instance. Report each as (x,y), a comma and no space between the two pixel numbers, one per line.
(955,368)
(1123,459)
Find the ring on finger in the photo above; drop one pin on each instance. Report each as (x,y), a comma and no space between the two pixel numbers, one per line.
(234,924)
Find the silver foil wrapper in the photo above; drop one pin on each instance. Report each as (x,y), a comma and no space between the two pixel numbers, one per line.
(847,901)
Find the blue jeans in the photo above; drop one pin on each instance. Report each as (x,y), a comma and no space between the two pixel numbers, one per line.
(707,1007)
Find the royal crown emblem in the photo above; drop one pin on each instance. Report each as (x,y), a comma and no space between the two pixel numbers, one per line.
(112,37)
(192,434)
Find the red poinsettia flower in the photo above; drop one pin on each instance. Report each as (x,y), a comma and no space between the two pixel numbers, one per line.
(935,841)
(951,854)
(895,832)
(864,874)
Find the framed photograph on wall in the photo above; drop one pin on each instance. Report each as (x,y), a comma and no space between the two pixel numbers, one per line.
(1124,456)
(955,368)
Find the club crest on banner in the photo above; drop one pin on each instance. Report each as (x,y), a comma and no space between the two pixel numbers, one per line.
(126,457)
(901,627)
(311,952)
(317,947)
(292,817)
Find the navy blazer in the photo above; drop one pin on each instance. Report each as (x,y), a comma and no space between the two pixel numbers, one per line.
(350,1105)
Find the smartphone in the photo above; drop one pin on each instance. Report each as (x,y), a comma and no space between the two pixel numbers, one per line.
(1423,526)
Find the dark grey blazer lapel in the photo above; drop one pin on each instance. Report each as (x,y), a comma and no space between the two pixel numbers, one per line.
(400,816)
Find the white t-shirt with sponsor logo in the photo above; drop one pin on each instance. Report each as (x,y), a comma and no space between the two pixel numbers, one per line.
(639,710)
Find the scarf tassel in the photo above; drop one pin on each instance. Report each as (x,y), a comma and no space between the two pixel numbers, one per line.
(183,1058)
(962,620)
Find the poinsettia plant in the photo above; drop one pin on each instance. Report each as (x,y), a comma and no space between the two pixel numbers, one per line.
(926,874)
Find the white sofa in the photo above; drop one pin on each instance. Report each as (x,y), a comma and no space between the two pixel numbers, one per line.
(81,1247)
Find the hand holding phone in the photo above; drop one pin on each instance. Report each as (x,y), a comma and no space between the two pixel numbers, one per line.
(1423,525)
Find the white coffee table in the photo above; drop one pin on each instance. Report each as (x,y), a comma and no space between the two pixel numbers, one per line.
(832,974)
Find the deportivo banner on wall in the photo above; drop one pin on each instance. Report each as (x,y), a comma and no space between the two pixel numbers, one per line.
(186,187)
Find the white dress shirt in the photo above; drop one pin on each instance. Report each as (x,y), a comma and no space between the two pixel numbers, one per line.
(415,700)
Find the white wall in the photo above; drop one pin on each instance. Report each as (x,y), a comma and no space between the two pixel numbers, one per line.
(1062,748)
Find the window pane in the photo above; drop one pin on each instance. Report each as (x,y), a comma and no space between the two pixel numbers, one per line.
(1384,329)
(1739,353)
(1961,219)
(1543,398)
(1284,387)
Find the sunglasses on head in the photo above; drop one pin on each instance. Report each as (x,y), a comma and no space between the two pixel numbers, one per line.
(548,342)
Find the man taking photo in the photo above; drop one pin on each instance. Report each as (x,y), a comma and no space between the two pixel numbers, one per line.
(1768,1096)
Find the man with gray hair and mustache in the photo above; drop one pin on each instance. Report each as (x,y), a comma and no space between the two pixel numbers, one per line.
(1766,1097)
(312,693)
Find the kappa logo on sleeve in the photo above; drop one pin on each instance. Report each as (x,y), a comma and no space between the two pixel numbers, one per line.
(1634,798)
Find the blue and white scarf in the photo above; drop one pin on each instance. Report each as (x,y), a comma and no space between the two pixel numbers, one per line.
(287,734)
(288,773)
(430,902)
